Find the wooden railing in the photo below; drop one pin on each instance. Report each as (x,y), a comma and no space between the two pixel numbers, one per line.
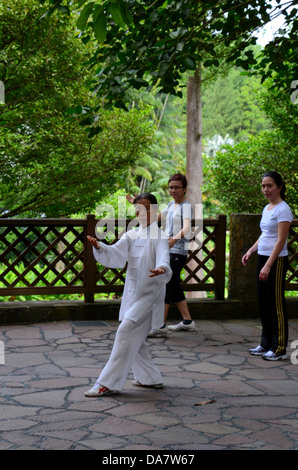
(53,256)
(292,274)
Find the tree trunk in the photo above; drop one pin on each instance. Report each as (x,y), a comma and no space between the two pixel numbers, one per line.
(194,159)
(194,139)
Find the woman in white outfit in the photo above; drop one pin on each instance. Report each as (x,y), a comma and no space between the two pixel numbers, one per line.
(146,252)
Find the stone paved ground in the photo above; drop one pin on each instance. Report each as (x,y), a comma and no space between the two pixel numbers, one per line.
(48,366)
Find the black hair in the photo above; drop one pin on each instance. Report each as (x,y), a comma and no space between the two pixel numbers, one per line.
(179,177)
(150,197)
(278,180)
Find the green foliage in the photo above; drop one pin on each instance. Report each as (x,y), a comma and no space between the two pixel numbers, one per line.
(143,43)
(230,106)
(49,166)
(235,173)
(282,112)
(278,60)
(167,153)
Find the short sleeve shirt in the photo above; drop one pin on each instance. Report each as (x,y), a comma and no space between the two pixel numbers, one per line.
(269,228)
(175,215)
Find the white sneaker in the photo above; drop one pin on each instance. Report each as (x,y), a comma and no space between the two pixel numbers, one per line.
(271,356)
(97,391)
(159,333)
(136,383)
(182,327)
(258,351)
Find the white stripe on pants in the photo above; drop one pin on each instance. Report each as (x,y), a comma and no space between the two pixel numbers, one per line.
(130,352)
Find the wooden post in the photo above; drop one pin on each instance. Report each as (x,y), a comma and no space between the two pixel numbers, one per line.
(194,160)
(194,140)
(244,231)
(89,261)
(220,257)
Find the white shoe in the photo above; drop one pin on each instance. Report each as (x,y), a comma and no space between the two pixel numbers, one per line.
(182,327)
(258,351)
(271,356)
(97,391)
(136,383)
(159,333)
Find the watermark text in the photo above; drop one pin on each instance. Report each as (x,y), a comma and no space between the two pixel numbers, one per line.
(2,353)
(2,93)
(294,94)
(294,355)
(171,221)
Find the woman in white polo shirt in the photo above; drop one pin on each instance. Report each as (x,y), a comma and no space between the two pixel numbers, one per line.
(272,267)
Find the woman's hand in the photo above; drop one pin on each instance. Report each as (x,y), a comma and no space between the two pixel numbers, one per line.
(93,242)
(249,252)
(246,257)
(157,272)
(264,273)
(130,198)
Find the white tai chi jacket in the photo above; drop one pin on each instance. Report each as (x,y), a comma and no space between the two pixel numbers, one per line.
(142,249)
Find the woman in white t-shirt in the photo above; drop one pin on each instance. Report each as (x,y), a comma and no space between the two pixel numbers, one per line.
(272,267)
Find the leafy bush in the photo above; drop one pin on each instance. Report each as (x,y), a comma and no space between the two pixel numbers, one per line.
(233,175)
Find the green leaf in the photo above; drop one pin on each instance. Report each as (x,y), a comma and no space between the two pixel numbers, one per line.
(83,18)
(117,15)
(100,27)
(97,11)
(138,83)
(141,171)
(94,131)
(78,109)
(190,63)
(80,3)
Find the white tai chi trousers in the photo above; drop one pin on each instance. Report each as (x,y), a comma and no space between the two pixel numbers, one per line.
(130,352)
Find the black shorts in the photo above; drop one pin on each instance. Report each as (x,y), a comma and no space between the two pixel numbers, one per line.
(174,292)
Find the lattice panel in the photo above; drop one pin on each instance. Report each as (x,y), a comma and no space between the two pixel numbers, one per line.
(39,256)
(292,274)
(111,280)
(200,265)
(199,268)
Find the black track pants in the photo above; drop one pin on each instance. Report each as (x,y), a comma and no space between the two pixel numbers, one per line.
(174,291)
(272,305)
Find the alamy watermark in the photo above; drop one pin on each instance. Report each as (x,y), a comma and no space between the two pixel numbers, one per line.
(294,355)
(2,353)
(2,92)
(107,225)
(294,94)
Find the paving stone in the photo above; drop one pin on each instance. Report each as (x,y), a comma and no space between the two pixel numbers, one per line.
(216,396)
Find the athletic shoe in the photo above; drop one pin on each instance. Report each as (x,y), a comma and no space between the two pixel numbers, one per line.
(97,391)
(136,383)
(182,327)
(159,333)
(271,356)
(258,351)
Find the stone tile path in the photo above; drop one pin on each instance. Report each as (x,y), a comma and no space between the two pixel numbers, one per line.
(47,367)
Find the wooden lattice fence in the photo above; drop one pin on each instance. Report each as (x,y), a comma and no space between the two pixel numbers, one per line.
(53,257)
